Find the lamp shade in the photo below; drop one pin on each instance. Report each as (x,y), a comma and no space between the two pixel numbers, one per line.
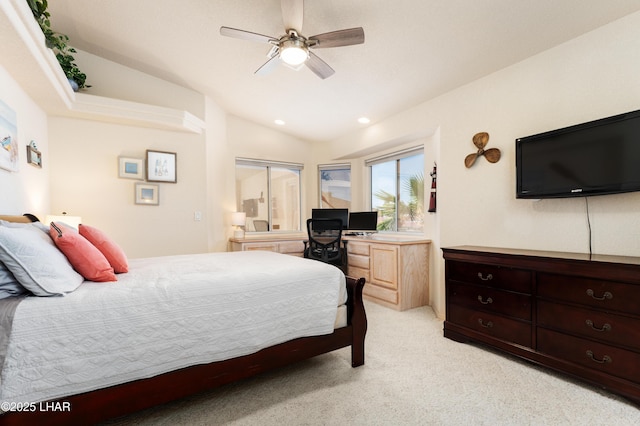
(73,221)
(293,52)
(238,218)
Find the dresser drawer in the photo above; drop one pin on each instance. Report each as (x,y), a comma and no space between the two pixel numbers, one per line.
(359,273)
(358,261)
(291,247)
(355,248)
(490,299)
(590,323)
(490,324)
(489,275)
(261,246)
(381,293)
(596,356)
(600,294)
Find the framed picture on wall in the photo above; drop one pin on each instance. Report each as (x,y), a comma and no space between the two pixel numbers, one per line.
(131,168)
(147,193)
(34,157)
(161,166)
(8,139)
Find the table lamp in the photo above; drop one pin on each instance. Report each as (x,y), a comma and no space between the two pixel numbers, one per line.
(238,220)
(73,221)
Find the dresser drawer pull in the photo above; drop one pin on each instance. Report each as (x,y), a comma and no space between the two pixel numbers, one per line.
(605,327)
(488,324)
(488,301)
(607,295)
(488,278)
(605,359)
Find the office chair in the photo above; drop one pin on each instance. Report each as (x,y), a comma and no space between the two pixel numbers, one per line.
(261,225)
(325,242)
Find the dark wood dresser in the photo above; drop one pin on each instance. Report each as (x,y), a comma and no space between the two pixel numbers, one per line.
(574,313)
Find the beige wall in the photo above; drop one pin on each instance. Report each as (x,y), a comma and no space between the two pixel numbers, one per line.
(25,191)
(84,170)
(113,80)
(250,140)
(587,78)
(590,77)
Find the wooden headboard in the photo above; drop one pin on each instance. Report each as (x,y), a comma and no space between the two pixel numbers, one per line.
(26,218)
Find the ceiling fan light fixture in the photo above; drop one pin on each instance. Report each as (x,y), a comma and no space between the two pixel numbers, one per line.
(293,52)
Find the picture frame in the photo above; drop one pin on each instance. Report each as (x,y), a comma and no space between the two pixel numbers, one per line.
(34,157)
(9,156)
(147,193)
(131,168)
(161,166)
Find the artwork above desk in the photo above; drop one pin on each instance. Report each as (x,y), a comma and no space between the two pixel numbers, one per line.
(396,268)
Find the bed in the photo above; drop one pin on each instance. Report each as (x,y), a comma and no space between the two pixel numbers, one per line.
(168,328)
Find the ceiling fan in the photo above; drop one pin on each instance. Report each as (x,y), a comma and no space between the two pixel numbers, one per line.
(293,48)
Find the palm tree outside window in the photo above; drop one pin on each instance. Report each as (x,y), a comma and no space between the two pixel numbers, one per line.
(397,190)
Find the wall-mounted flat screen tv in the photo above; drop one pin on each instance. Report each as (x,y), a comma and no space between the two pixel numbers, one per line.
(594,158)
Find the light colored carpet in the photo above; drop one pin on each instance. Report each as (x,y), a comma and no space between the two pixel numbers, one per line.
(412,376)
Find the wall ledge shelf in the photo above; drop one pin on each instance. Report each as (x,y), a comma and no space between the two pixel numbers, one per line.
(36,69)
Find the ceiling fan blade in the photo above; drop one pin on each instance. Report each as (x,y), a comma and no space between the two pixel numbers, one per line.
(292,14)
(318,66)
(268,66)
(246,35)
(338,38)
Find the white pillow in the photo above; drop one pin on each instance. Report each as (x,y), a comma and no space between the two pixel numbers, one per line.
(36,262)
(38,225)
(9,286)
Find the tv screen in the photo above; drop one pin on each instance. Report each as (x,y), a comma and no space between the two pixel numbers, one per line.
(342,214)
(363,221)
(594,158)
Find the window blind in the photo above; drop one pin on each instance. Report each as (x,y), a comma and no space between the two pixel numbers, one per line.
(394,156)
(266,163)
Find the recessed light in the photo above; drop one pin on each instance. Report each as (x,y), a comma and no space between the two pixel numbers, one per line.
(279,122)
(363,120)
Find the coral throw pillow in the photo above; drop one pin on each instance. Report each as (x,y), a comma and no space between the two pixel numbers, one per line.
(83,256)
(112,251)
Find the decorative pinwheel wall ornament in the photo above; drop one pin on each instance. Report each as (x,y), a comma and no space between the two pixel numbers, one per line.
(480,141)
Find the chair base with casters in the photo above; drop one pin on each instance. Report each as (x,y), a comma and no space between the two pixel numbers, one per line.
(325,242)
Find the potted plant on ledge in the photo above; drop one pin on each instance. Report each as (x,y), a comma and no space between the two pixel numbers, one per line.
(76,77)
(58,43)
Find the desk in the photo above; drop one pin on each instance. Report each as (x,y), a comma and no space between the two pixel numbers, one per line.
(396,269)
(291,244)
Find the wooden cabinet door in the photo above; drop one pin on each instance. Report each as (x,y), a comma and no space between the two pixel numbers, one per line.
(384,265)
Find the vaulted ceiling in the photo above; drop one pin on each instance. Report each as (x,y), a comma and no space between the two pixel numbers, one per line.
(414,50)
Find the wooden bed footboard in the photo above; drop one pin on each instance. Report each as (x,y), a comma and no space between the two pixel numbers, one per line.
(115,401)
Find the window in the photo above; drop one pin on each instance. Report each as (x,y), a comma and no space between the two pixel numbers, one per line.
(335,186)
(269,193)
(397,190)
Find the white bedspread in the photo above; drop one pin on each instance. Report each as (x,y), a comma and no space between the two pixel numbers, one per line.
(166,313)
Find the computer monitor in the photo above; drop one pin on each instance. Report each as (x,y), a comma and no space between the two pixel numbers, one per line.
(363,221)
(342,214)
